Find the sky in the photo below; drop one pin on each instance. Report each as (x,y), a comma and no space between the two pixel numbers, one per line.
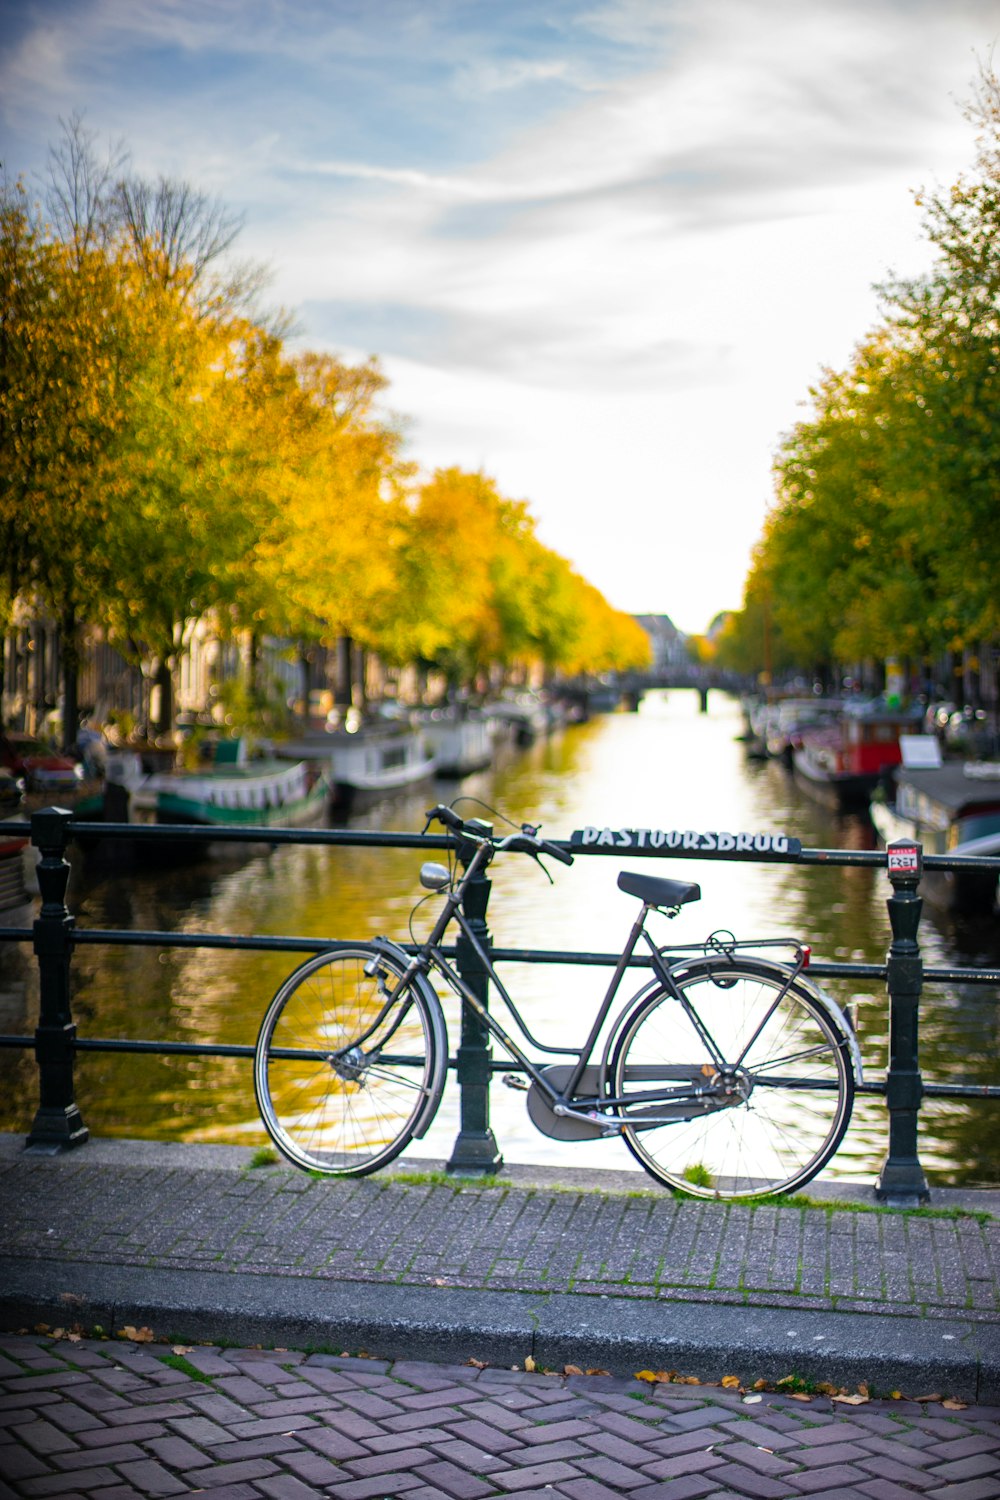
(602,248)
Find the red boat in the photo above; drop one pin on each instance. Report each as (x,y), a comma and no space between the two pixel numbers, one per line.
(842,763)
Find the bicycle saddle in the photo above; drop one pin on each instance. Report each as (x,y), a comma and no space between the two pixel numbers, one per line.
(657,892)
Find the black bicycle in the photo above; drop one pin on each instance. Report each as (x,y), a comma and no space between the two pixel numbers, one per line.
(729,1074)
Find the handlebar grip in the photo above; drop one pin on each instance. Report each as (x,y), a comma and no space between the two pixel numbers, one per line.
(445,815)
(525,844)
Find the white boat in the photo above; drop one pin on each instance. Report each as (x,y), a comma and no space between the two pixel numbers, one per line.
(950,809)
(522,716)
(460,742)
(370,764)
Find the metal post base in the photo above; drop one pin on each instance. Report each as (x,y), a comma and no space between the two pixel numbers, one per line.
(902,1184)
(475,1154)
(54,1130)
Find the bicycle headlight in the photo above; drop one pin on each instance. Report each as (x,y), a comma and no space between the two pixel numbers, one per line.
(434,877)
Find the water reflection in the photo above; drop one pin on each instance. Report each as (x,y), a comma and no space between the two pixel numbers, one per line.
(668,766)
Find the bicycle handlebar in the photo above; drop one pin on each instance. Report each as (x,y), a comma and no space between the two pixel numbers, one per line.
(522,842)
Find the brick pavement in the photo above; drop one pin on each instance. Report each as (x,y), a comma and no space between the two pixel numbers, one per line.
(119,1418)
(198,1245)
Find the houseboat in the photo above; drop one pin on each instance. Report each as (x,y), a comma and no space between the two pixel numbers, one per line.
(949,809)
(259,794)
(16,891)
(788,719)
(235,788)
(461,742)
(841,763)
(375,761)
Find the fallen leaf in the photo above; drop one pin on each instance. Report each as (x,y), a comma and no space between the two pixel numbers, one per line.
(751,1400)
(529,1363)
(731,1382)
(856,1400)
(952,1405)
(136,1335)
(42,1328)
(598,1372)
(760,1385)
(934,1396)
(477,1364)
(649,1375)
(801,1396)
(686,1380)
(572,1370)
(181,1348)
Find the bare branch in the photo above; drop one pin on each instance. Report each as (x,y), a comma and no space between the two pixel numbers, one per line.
(79,187)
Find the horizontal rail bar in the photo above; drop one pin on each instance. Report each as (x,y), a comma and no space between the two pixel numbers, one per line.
(876,1087)
(126,938)
(360,838)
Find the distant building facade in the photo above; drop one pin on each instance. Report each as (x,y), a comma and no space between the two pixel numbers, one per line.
(667,643)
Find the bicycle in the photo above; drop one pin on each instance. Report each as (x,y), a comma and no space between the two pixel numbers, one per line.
(729,1074)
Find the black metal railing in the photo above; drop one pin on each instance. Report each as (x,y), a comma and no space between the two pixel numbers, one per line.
(58,1124)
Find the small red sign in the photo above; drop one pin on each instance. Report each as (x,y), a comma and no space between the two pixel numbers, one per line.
(903,859)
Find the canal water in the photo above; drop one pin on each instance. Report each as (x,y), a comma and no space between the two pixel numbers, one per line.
(667,766)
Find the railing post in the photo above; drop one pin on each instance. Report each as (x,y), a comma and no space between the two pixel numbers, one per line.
(58,1124)
(901,1183)
(475,1151)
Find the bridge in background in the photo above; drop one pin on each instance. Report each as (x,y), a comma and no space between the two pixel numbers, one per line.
(627,689)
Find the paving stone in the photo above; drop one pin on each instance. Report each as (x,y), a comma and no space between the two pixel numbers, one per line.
(831,1481)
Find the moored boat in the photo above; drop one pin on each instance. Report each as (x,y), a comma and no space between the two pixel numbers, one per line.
(16,895)
(461,743)
(260,794)
(841,763)
(374,762)
(522,717)
(949,809)
(790,718)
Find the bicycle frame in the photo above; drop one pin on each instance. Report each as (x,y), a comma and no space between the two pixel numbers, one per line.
(567,1101)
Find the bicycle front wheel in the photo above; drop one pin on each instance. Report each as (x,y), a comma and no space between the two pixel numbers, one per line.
(762,1122)
(344,1075)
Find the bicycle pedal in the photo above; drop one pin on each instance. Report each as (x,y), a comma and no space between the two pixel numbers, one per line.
(515,1081)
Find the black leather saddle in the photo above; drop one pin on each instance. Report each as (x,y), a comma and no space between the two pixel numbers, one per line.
(657,892)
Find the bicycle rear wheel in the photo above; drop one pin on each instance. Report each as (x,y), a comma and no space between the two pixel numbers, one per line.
(765,1123)
(341,1087)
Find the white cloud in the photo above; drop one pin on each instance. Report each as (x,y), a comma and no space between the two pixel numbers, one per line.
(602,248)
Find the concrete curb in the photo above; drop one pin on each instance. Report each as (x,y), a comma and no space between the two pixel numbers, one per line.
(915,1355)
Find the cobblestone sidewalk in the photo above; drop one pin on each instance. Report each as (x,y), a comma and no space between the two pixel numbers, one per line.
(640,1245)
(115,1420)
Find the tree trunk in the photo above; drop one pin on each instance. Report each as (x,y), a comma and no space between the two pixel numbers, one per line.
(342,686)
(70,651)
(164,681)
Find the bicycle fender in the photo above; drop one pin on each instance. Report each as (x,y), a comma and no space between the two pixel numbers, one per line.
(839,1019)
(440,1035)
